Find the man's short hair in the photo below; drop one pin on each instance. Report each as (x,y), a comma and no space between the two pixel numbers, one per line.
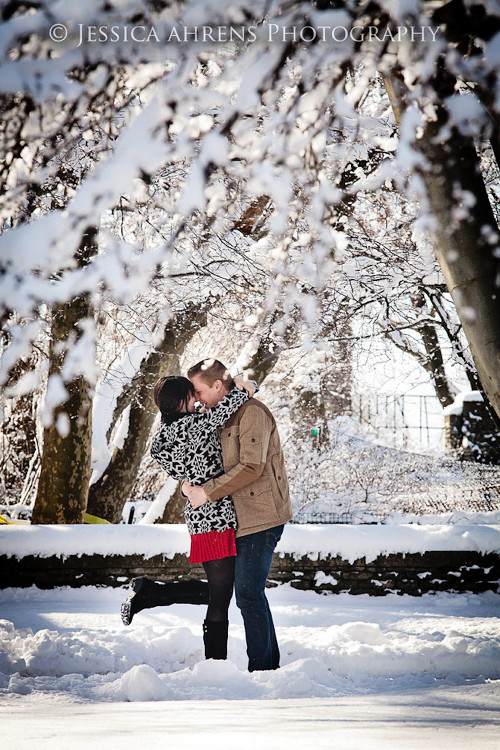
(211,370)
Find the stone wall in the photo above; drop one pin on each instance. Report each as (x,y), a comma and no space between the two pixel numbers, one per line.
(401,573)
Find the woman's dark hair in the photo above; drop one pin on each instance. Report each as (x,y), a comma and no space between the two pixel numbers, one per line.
(171,394)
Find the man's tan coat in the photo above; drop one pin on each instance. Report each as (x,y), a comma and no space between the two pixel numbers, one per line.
(255,473)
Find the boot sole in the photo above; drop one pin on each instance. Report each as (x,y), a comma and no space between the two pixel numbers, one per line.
(126,611)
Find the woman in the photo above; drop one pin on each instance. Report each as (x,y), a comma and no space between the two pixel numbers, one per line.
(187,446)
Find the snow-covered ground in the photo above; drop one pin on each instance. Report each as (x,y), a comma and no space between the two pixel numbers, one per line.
(357,672)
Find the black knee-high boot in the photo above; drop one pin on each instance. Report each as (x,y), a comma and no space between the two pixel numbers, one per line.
(215,639)
(148,594)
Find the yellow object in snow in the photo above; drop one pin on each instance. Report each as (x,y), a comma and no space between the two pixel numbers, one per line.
(88,519)
(93,519)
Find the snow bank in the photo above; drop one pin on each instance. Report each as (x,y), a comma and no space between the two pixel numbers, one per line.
(457,406)
(141,683)
(64,540)
(349,542)
(71,644)
(353,542)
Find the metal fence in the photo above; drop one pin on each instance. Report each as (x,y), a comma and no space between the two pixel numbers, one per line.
(323,518)
(402,420)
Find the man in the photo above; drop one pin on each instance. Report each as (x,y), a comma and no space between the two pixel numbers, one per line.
(256,478)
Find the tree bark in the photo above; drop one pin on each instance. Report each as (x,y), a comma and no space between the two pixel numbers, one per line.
(174,509)
(434,364)
(466,256)
(65,473)
(465,238)
(433,361)
(65,470)
(109,494)
(264,359)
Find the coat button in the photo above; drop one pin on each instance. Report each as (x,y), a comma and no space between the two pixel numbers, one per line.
(253,440)
(229,434)
(252,493)
(279,477)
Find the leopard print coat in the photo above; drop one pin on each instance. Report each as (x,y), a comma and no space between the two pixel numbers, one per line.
(189,449)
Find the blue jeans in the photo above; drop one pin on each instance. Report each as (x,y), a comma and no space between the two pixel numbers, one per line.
(252,564)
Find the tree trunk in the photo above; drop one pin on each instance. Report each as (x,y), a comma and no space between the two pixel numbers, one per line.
(264,359)
(174,509)
(65,470)
(465,239)
(433,362)
(109,494)
(462,354)
(466,256)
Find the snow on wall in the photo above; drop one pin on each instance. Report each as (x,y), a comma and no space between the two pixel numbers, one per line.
(457,406)
(65,539)
(353,542)
(349,542)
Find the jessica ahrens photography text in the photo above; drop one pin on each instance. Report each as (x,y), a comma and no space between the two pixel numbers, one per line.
(269,32)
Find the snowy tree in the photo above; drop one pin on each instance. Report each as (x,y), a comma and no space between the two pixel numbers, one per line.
(227,152)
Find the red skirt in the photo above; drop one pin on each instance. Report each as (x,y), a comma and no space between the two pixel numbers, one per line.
(213,545)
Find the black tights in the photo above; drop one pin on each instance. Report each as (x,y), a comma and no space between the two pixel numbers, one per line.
(220,575)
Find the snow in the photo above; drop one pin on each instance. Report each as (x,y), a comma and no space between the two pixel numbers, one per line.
(354,542)
(467,112)
(350,542)
(356,672)
(368,723)
(63,540)
(473,396)
(55,395)
(157,507)
(107,393)
(461,398)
